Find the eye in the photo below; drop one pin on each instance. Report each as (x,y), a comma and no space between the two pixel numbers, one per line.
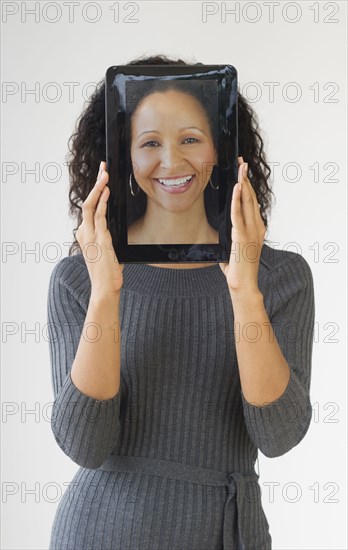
(195,140)
(145,144)
(148,143)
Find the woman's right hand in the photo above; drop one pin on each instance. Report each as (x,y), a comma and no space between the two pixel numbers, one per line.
(95,241)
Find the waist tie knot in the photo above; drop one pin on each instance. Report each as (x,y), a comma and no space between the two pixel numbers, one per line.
(234,534)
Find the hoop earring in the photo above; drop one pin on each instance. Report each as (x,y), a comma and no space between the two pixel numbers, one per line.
(130,185)
(211,185)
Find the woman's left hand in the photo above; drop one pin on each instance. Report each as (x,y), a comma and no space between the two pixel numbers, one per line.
(248,232)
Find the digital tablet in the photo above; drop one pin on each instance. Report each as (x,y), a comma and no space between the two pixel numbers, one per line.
(172,159)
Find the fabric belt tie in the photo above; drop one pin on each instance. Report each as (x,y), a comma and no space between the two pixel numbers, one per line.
(233,526)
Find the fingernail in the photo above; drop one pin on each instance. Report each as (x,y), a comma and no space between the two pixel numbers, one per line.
(245,169)
(100,171)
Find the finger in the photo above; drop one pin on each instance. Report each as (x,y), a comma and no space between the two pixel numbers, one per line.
(257,206)
(258,219)
(253,194)
(90,204)
(252,190)
(100,213)
(223,266)
(247,200)
(257,212)
(255,200)
(102,168)
(236,210)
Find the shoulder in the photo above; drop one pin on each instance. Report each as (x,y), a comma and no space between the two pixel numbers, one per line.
(71,273)
(288,273)
(69,269)
(277,264)
(272,259)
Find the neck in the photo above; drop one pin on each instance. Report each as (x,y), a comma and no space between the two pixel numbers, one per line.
(161,226)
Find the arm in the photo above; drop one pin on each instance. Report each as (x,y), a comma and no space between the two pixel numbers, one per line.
(275,369)
(85,367)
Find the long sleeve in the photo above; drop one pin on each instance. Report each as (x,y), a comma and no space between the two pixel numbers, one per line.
(277,427)
(86,429)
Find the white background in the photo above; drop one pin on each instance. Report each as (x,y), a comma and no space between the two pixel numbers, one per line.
(305,44)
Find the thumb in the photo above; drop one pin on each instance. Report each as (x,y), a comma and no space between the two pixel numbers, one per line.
(223,266)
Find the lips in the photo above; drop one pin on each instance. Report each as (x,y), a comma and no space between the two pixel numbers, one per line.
(173,177)
(174,189)
(174,182)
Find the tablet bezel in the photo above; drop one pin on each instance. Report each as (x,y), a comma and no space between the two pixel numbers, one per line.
(227,169)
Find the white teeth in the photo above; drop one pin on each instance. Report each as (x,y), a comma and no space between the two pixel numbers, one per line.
(178,181)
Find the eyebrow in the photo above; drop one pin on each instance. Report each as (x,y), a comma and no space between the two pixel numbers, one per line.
(180,129)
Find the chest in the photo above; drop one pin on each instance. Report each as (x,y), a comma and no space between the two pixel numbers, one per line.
(190,339)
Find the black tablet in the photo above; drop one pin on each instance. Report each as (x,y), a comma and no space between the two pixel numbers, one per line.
(172,159)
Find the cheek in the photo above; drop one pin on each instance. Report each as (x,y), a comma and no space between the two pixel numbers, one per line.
(143,163)
(205,155)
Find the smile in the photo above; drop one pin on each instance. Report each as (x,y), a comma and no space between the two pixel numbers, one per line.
(175,181)
(175,185)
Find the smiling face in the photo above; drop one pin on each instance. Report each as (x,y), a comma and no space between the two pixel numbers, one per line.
(171,141)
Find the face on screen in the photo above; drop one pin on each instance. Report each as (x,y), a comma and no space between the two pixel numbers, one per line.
(173,156)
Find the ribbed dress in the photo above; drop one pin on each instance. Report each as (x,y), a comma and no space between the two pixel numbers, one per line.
(169,462)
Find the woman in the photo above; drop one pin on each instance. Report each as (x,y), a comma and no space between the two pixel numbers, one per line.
(212,363)
(163,113)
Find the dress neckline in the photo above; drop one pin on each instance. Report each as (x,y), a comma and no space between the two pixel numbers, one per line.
(167,281)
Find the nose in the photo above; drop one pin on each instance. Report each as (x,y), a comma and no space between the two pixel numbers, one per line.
(171,158)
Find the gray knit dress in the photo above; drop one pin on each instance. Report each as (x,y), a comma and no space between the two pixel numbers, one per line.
(169,462)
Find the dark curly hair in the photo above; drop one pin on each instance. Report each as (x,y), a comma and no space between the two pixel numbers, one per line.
(87,148)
